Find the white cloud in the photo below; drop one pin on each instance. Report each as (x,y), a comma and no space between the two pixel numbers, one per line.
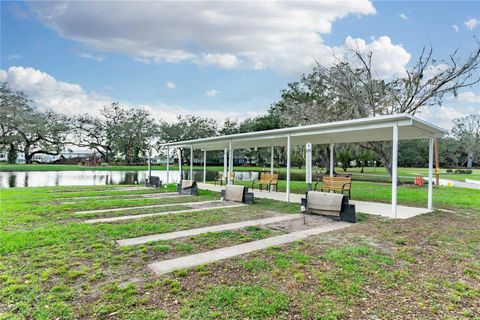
(468,97)
(70,98)
(471,23)
(455,28)
(434,70)
(212,93)
(403,16)
(170,85)
(89,56)
(169,113)
(226,60)
(47,92)
(17,11)
(14,56)
(464,104)
(445,114)
(280,35)
(388,59)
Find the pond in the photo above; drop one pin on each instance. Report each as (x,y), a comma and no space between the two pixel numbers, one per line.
(91,178)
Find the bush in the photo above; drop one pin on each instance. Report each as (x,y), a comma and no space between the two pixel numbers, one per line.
(469,171)
(449,171)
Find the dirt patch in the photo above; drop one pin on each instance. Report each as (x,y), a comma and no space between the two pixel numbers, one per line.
(209,205)
(304,222)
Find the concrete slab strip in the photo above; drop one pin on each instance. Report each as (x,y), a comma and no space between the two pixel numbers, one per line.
(131,197)
(167,266)
(145,207)
(197,231)
(148,215)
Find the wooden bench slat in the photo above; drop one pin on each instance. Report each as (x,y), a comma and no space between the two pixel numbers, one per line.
(337,184)
(267,179)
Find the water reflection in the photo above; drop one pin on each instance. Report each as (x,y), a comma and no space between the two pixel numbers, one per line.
(91,178)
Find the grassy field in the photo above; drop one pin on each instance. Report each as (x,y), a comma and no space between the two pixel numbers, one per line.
(406,194)
(404,172)
(55,267)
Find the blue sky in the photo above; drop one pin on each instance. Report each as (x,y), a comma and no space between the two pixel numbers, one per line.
(222,60)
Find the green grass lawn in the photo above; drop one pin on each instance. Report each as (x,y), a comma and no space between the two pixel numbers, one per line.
(406,194)
(404,172)
(54,267)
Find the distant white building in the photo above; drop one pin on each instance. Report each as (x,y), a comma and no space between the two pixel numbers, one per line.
(4,157)
(47,158)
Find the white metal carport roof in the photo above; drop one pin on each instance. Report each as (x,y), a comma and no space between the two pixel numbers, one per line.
(383,128)
(348,131)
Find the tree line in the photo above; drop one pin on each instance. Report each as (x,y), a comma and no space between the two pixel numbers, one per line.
(344,90)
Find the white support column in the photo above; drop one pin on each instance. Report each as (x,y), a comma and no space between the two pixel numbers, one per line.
(332,167)
(149,165)
(230,162)
(271,160)
(225,159)
(308,165)
(271,164)
(204,166)
(288,168)
(394,169)
(180,163)
(191,163)
(430,173)
(168,164)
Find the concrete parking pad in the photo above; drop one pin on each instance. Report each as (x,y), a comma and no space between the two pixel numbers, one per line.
(167,266)
(197,231)
(148,215)
(146,207)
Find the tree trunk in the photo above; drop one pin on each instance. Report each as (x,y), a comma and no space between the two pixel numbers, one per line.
(470,160)
(28,158)
(12,154)
(326,157)
(28,155)
(377,147)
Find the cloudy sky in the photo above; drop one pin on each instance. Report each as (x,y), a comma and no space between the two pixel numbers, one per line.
(216,59)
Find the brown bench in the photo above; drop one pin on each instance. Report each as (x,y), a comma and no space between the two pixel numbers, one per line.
(222,179)
(341,184)
(266,179)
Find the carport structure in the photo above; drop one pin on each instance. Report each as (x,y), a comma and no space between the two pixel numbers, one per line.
(381,128)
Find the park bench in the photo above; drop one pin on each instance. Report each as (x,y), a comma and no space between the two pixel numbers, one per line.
(335,206)
(223,179)
(336,183)
(153,181)
(187,187)
(266,179)
(237,194)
